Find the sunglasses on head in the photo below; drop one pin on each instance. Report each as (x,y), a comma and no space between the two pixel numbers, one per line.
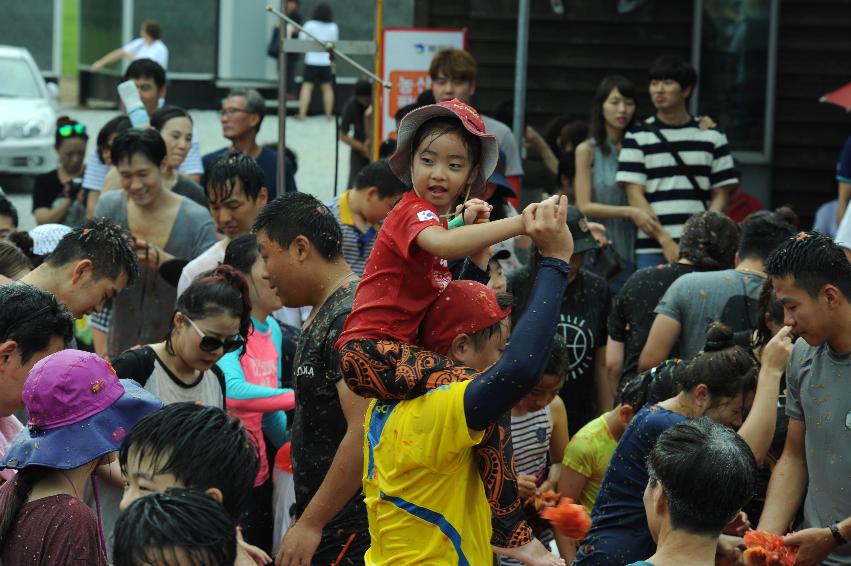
(211,344)
(67,130)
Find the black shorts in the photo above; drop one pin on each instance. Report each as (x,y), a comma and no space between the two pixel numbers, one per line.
(317,74)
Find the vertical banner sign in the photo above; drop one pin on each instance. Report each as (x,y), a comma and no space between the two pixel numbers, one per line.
(406,56)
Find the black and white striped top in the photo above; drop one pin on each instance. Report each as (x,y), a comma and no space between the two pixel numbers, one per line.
(530,437)
(645,160)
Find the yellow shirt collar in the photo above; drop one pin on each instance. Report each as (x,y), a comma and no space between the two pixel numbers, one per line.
(346,212)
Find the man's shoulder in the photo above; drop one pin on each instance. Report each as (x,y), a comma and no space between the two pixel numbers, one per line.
(208,158)
(267,153)
(334,311)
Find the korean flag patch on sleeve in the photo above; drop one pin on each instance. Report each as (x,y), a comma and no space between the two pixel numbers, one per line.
(425,215)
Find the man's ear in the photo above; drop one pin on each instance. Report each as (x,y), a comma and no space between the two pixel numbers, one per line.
(216,494)
(832,296)
(263,196)
(459,347)
(80,269)
(660,502)
(300,248)
(254,119)
(372,194)
(472,88)
(7,348)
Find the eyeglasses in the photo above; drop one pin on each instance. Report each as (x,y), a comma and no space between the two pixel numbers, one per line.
(210,344)
(231,111)
(68,130)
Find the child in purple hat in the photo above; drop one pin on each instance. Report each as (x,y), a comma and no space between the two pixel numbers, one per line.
(79,411)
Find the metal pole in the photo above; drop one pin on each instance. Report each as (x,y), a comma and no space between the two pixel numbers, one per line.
(282,105)
(378,95)
(520,70)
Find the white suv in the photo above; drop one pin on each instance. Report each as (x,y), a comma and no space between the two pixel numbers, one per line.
(27,115)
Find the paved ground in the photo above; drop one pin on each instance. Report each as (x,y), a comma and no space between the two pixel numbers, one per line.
(313,140)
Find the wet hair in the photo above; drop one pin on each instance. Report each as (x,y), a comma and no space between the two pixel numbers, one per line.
(163,527)
(299,214)
(8,209)
(13,259)
(203,447)
(454,64)
(153,28)
(652,386)
(242,253)
(254,102)
(724,367)
(709,241)
(768,306)
(32,318)
(66,121)
(363,88)
(226,170)
(480,338)
(221,291)
(379,175)
(146,69)
(103,243)
(166,113)
(114,126)
(559,361)
(442,125)
(707,472)
(787,213)
(24,242)
(761,232)
(322,13)
(674,68)
(25,480)
(813,260)
(598,123)
(146,142)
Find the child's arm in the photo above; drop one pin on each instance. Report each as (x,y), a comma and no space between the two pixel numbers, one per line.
(468,240)
(558,442)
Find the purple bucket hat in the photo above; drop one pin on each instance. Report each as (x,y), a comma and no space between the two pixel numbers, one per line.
(78,411)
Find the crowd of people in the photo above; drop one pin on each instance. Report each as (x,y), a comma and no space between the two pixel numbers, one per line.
(215,369)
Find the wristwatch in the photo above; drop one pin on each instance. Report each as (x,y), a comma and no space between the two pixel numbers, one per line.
(837,536)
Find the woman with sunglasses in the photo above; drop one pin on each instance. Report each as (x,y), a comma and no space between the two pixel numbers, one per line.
(57,195)
(211,319)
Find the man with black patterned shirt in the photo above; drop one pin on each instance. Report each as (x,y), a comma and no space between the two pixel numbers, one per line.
(301,244)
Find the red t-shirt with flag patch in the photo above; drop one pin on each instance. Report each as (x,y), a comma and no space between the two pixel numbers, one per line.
(400,280)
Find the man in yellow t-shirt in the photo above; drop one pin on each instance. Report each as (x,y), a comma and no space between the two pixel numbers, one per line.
(425,500)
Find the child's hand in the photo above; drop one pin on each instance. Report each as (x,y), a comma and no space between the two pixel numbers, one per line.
(525,487)
(475,211)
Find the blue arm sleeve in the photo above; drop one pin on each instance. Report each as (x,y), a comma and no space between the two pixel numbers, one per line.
(237,386)
(275,427)
(518,370)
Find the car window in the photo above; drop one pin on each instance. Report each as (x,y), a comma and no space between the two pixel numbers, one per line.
(19,81)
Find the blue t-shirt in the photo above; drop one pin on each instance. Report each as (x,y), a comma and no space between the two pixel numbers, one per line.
(268,162)
(619,533)
(641,563)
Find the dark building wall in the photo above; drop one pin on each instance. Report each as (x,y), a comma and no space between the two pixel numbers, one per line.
(570,54)
(814,57)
